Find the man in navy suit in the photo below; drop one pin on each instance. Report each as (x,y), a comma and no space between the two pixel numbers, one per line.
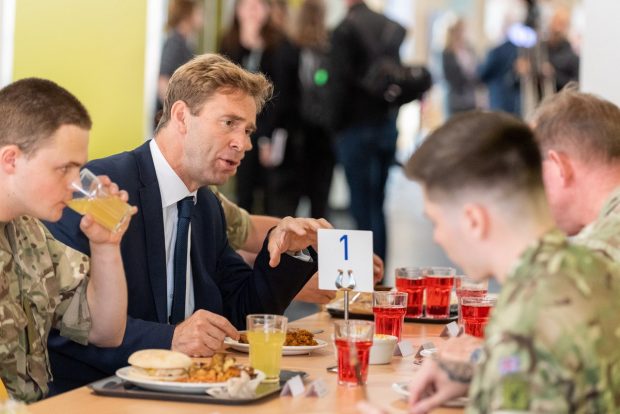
(187,288)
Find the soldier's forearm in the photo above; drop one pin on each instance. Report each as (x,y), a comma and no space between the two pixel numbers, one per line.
(457,371)
(259,227)
(107,295)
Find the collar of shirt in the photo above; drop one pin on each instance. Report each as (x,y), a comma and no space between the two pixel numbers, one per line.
(171,187)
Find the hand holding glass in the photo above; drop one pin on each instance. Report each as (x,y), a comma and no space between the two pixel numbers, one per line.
(89,197)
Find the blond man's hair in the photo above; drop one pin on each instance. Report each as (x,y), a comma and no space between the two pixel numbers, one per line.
(581,124)
(200,78)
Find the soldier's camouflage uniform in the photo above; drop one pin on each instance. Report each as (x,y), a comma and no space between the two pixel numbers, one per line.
(553,342)
(237,220)
(42,286)
(603,235)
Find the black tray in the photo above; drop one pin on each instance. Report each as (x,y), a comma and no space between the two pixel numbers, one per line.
(339,313)
(115,387)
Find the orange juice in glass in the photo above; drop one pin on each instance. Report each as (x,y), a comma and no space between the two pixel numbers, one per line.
(266,335)
(89,197)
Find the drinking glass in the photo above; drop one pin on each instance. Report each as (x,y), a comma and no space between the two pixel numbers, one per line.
(468,287)
(89,197)
(389,309)
(439,282)
(476,313)
(353,340)
(266,335)
(411,281)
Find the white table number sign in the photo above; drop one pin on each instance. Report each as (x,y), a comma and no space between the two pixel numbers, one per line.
(345,250)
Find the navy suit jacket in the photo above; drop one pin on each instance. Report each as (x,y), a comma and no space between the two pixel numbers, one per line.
(223,283)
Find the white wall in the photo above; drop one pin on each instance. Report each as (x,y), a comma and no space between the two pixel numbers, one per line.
(600,58)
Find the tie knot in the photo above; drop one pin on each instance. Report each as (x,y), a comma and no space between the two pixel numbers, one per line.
(185,207)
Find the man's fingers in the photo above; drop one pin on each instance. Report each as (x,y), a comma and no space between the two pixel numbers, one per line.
(427,404)
(422,379)
(276,246)
(325,224)
(224,325)
(274,258)
(294,225)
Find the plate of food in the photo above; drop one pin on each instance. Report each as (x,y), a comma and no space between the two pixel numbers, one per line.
(402,389)
(170,371)
(298,342)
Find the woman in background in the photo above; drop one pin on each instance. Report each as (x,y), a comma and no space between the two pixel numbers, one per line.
(459,68)
(185,20)
(254,42)
(318,160)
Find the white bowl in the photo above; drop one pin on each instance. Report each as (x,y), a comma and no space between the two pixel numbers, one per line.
(382,349)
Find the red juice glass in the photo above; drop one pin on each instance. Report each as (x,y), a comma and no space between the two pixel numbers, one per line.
(353,340)
(439,282)
(389,309)
(410,280)
(476,313)
(467,287)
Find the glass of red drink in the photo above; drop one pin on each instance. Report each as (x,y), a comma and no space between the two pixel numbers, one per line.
(467,287)
(389,309)
(353,340)
(410,280)
(476,313)
(439,282)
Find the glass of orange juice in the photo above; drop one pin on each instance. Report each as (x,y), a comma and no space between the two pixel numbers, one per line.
(266,335)
(89,197)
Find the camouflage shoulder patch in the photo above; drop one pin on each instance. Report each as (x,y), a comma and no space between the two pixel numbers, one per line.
(515,392)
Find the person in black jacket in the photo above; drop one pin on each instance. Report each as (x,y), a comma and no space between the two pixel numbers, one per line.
(254,42)
(317,164)
(365,125)
(459,69)
(563,61)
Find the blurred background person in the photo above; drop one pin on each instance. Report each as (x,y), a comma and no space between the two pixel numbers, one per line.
(317,163)
(499,70)
(459,69)
(185,20)
(563,63)
(268,170)
(280,15)
(365,124)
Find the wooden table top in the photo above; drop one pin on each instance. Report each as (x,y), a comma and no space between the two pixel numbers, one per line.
(340,399)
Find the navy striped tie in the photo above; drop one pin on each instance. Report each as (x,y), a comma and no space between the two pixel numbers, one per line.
(184,208)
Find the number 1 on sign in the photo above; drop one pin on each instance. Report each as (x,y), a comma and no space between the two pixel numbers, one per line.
(345,239)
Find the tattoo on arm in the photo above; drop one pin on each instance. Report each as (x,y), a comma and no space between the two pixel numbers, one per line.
(456,370)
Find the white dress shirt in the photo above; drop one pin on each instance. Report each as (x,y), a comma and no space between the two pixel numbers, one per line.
(172,189)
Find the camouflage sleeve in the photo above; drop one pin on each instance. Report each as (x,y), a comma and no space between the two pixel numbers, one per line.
(237,221)
(72,316)
(602,236)
(512,378)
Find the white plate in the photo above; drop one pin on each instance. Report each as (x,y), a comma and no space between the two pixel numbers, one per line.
(286,350)
(166,386)
(402,389)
